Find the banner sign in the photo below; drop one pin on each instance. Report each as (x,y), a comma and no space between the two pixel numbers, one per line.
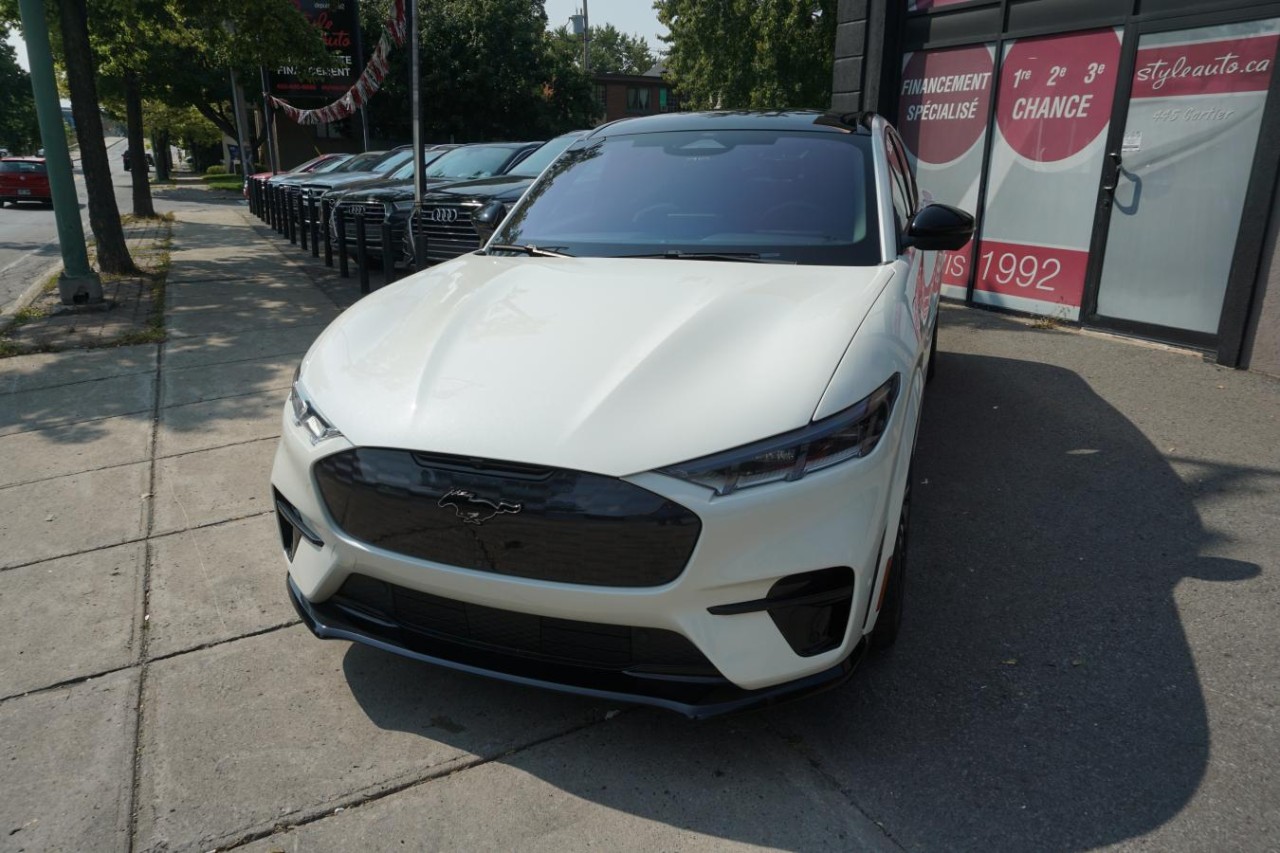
(1189,142)
(394,33)
(1052,117)
(338,20)
(944,106)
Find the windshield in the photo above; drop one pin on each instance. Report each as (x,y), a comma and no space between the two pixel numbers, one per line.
(331,165)
(307,166)
(532,166)
(406,168)
(474,161)
(361,162)
(27,166)
(795,196)
(392,161)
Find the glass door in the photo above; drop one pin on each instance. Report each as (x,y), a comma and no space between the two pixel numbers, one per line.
(1174,187)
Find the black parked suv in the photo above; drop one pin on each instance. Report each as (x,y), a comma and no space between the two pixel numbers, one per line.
(392,201)
(446,216)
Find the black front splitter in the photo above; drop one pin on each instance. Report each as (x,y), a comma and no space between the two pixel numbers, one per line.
(695,697)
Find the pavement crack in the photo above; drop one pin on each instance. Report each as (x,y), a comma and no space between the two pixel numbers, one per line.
(816,764)
(360,799)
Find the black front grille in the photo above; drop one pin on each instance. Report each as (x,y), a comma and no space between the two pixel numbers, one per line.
(564,641)
(372,212)
(543,523)
(448,229)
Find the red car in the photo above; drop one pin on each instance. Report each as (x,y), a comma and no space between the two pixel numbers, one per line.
(24,179)
(309,166)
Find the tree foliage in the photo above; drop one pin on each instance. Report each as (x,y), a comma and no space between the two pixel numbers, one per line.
(490,71)
(757,54)
(611,51)
(19,130)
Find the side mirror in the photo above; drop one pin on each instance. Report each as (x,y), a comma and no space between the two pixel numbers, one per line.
(939,227)
(488,218)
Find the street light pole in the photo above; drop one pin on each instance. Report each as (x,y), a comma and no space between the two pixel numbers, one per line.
(586,39)
(77,283)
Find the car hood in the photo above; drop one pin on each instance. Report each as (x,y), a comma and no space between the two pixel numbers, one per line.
(328,182)
(606,365)
(388,191)
(501,187)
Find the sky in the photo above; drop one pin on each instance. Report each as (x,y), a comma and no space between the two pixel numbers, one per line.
(20,48)
(633,17)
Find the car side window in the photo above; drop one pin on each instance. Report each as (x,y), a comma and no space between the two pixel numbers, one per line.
(900,153)
(902,207)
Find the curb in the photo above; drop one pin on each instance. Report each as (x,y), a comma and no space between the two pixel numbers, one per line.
(32,291)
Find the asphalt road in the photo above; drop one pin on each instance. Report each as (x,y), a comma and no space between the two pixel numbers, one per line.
(29,237)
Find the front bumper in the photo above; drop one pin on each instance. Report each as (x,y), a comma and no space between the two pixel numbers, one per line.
(749,543)
(696,697)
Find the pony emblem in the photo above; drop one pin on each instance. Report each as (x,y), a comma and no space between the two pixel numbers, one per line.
(474,510)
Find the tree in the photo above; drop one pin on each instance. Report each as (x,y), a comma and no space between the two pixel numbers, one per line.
(611,51)
(104,215)
(19,130)
(490,70)
(757,54)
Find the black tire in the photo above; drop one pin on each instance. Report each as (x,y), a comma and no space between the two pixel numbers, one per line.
(889,622)
(933,353)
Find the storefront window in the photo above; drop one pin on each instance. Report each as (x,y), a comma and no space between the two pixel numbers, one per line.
(1052,117)
(944,106)
(1185,161)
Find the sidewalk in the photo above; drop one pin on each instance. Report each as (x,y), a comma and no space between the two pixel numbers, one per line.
(1089,658)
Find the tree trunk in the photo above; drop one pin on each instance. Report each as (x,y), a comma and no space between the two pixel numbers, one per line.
(142,205)
(160,144)
(104,215)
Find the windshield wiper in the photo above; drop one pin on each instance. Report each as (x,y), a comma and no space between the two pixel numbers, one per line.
(530,249)
(742,257)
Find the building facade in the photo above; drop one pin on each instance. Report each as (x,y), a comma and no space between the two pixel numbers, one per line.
(1121,156)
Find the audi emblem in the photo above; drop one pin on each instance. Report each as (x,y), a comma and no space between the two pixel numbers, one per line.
(441,214)
(357,209)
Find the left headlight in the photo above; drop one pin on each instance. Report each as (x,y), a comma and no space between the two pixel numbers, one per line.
(848,434)
(307,416)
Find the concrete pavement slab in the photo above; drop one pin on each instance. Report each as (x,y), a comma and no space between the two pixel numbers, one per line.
(217,321)
(69,515)
(231,347)
(69,618)
(245,734)
(216,381)
(72,449)
(212,486)
(45,370)
(215,423)
(216,583)
(644,781)
(82,403)
(67,756)
(275,293)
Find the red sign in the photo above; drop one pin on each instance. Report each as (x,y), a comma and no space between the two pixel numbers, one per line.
(1032,272)
(1056,93)
(1207,68)
(945,101)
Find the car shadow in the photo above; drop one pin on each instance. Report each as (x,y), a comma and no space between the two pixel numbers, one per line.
(1043,695)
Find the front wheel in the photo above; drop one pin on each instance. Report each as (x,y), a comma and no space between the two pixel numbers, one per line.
(893,592)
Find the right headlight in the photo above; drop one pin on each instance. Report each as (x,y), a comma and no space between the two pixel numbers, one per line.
(306,415)
(848,434)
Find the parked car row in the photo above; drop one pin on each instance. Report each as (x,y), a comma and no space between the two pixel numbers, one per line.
(377,188)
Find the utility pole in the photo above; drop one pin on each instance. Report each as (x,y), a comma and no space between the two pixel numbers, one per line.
(77,283)
(586,39)
(268,120)
(242,122)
